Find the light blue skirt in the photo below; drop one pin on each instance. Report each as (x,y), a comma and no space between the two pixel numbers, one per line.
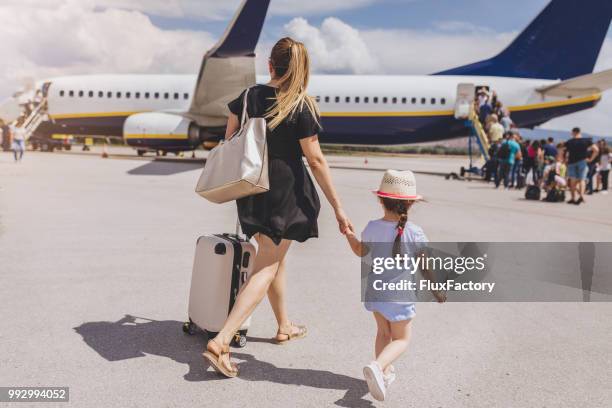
(392,311)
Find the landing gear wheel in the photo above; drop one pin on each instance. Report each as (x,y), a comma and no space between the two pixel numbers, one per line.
(189,328)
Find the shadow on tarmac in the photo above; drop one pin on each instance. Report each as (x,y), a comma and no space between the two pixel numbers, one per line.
(163,168)
(133,337)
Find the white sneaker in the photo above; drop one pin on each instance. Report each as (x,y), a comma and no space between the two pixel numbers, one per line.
(389,378)
(604,192)
(376,383)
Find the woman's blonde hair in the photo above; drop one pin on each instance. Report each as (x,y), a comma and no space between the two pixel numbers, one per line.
(291,64)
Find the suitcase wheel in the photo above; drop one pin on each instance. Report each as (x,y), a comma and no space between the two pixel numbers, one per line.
(189,327)
(240,339)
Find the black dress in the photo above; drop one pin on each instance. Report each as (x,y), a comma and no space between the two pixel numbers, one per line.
(291,207)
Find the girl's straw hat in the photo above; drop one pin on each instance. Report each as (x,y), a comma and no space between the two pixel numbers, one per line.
(398,184)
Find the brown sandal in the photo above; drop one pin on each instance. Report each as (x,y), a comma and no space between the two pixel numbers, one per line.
(301,333)
(214,355)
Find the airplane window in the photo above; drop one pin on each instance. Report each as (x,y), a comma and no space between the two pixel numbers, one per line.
(375,99)
(118,94)
(404,100)
(176,95)
(137,95)
(433,101)
(100,94)
(61,93)
(128,94)
(413,100)
(394,100)
(109,94)
(166,95)
(356,99)
(318,98)
(91,94)
(327,99)
(443,101)
(366,99)
(337,99)
(146,95)
(423,100)
(185,95)
(347,99)
(385,99)
(80,93)
(156,95)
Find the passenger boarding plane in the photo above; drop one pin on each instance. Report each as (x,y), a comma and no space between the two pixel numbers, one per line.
(546,72)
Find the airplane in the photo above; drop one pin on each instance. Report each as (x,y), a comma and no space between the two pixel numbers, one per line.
(545,73)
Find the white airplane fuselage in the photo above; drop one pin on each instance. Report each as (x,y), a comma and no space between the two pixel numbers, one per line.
(355,109)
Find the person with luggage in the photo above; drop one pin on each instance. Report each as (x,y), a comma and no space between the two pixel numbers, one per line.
(397,194)
(289,210)
(577,158)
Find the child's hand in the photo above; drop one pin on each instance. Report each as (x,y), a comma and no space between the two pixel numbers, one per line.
(439,295)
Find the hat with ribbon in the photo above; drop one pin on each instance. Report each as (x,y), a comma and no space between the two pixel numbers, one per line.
(399,185)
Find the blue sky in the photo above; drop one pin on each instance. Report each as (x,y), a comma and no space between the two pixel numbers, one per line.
(501,16)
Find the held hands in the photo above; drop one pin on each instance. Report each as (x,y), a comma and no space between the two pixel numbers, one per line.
(439,295)
(344,223)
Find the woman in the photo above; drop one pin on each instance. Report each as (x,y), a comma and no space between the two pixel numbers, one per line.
(288,212)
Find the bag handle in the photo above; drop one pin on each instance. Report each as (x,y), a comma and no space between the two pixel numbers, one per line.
(245,115)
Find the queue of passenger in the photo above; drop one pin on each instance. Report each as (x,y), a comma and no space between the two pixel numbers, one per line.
(579,165)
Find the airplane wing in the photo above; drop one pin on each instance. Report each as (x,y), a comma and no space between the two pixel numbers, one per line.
(229,66)
(581,85)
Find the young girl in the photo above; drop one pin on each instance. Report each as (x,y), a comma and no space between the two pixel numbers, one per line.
(397,194)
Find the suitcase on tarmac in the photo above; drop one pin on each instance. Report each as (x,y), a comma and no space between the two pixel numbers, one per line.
(222,265)
(532,193)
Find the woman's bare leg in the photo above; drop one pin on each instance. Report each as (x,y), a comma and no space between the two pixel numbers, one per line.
(276,296)
(266,266)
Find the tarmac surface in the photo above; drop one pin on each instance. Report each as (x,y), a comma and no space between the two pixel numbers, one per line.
(96,258)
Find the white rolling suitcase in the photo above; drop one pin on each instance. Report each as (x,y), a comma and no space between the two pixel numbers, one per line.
(222,265)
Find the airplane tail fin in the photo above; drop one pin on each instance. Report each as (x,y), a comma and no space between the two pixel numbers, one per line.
(229,66)
(562,42)
(242,34)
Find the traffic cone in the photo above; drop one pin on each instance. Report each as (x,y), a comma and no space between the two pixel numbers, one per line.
(104,151)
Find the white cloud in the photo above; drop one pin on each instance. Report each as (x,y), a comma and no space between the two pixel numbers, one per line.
(76,38)
(336,47)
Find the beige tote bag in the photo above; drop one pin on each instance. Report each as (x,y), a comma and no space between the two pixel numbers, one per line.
(237,167)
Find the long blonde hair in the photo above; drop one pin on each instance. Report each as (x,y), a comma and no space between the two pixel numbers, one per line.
(291,64)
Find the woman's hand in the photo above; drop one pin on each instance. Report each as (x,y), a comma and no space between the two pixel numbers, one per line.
(343,221)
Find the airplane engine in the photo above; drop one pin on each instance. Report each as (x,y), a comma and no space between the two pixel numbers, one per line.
(161,131)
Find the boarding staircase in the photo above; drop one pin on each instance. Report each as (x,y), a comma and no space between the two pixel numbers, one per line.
(478,133)
(35,118)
